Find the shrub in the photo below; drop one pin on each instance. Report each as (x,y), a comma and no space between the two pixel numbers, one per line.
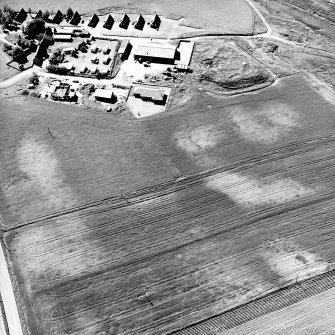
(33,79)
(25,92)
(35,94)
(34,28)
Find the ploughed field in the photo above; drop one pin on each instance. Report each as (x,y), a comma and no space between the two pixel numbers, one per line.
(163,260)
(225,16)
(256,214)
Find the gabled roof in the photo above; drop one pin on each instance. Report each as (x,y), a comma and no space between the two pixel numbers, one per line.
(94,20)
(105,94)
(75,18)
(159,96)
(109,22)
(150,93)
(139,90)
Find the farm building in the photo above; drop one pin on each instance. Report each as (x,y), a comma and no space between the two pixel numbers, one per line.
(75,18)
(95,59)
(157,96)
(124,50)
(106,60)
(94,69)
(93,21)
(64,31)
(84,33)
(38,15)
(83,69)
(124,23)
(105,95)
(104,71)
(109,22)
(156,22)
(156,54)
(58,18)
(62,38)
(140,22)
(94,48)
(21,15)
(106,49)
(69,50)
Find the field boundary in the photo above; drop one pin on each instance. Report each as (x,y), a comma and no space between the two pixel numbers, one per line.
(261,306)
(183,182)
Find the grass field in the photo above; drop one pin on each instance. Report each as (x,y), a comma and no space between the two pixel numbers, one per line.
(6,71)
(92,155)
(225,15)
(161,261)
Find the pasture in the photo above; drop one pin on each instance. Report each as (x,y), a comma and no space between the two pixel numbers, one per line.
(230,16)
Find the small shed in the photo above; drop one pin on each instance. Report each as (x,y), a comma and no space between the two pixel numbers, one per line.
(106,49)
(94,48)
(105,96)
(69,50)
(83,69)
(62,38)
(75,20)
(93,21)
(109,22)
(84,33)
(94,69)
(140,22)
(106,60)
(124,23)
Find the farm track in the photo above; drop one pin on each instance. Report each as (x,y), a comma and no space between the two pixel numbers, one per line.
(155,191)
(264,305)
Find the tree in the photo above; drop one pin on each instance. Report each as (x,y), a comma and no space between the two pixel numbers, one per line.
(45,15)
(69,13)
(18,55)
(34,28)
(29,10)
(33,79)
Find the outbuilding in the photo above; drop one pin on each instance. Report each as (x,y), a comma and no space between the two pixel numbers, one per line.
(83,69)
(106,49)
(94,48)
(95,59)
(156,54)
(62,38)
(94,69)
(69,50)
(106,60)
(105,96)
(125,48)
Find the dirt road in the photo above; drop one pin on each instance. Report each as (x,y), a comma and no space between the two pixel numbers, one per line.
(7,294)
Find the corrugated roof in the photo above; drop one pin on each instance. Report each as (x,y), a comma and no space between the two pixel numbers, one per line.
(140,90)
(155,51)
(62,37)
(106,94)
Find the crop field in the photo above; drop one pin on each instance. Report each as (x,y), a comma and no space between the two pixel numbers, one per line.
(230,16)
(161,261)
(90,155)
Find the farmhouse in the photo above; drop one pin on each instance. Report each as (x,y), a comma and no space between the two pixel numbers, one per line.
(157,96)
(105,95)
(21,15)
(58,18)
(140,22)
(125,48)
(155,54)
(156,22)
(62,38)
(93,21)
(75,18)
(109,22)
(124,23)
